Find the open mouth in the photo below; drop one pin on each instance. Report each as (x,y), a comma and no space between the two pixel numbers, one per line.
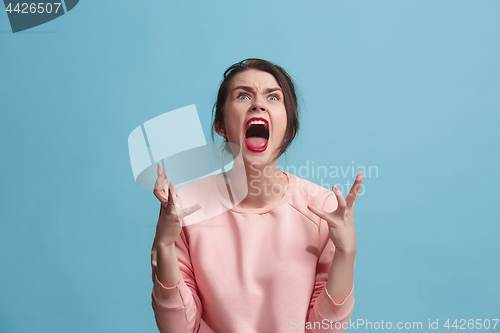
(257,134)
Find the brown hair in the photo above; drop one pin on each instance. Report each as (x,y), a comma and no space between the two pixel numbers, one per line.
(285,82)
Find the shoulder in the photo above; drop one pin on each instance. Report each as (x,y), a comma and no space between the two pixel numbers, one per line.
(308,193)
(196,187)
(199,191)
(314,194)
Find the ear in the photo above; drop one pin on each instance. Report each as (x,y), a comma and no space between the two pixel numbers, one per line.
(219,129)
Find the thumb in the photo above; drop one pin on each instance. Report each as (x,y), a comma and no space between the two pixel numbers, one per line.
(179,202)
(317,211)
(192,209)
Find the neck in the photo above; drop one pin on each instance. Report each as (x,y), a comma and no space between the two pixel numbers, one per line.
(255,186)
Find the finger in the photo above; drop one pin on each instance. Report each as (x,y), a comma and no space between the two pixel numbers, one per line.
(191,210)
(170,204)
(322,214)
(354,192)
(340,197)
(160,171)
(160,188)
(173,192)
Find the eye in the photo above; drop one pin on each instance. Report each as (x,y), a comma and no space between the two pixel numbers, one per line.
(274,97)
(243,96)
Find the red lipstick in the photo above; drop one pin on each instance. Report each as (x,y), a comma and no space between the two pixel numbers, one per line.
(253,143)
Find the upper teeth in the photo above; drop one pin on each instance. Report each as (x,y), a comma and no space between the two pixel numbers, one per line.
(258,122)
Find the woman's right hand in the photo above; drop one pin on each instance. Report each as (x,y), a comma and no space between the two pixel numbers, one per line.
(169,225)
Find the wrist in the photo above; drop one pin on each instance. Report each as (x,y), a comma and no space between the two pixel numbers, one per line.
(347,251)
(162,246)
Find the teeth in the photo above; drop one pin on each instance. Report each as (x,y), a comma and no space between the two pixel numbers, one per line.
(258,122)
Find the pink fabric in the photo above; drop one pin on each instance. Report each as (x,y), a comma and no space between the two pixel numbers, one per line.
(252,270)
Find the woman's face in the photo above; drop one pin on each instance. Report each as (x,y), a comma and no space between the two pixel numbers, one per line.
(255,116)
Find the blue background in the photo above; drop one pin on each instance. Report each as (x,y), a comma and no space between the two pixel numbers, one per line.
(411,87)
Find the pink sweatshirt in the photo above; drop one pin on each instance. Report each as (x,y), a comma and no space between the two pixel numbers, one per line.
(252,270)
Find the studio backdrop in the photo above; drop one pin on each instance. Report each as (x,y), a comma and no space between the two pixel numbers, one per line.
(405,91)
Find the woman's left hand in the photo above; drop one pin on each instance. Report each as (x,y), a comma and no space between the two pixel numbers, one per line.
(341,220)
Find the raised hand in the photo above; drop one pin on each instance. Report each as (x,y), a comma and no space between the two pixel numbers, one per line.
(341,220)
(169,224)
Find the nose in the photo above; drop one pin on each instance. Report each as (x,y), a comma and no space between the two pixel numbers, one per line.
(258,106)
(261,108)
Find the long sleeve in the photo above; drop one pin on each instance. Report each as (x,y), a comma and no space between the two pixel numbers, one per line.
(247,261)
(177,309)
(322,309)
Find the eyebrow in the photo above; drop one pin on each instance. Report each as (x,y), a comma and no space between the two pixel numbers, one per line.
(248,88)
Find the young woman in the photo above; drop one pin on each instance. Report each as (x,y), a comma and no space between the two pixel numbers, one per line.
(254,249)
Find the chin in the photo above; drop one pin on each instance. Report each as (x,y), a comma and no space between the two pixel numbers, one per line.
(257,161)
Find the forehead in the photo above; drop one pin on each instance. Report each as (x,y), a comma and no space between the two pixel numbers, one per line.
(254,78)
